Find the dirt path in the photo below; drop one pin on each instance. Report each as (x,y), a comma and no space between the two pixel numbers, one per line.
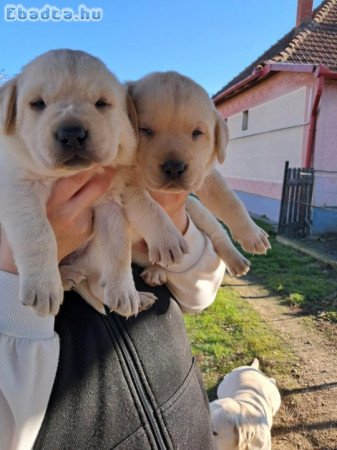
(308,417)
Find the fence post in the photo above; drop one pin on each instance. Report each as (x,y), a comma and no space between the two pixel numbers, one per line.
(282,207)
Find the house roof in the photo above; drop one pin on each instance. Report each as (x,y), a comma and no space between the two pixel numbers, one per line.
(314,42)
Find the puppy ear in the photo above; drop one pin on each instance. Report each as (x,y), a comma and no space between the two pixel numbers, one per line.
(256,436)
(133,116)
(255,364)
(130,85)
(221,136)
(8,106)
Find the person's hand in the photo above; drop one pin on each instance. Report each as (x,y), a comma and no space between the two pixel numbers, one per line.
(69,212)
(174,206)
(69,208)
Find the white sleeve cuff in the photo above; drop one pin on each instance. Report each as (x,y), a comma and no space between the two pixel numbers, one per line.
(17,320)
(29,351)
(195,281)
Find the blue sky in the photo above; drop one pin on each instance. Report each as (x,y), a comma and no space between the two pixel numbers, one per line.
(209,40)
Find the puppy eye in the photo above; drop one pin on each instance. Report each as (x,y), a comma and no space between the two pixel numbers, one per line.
(101,104)
(196,132)
(147,131)
(215,433)
(39,105)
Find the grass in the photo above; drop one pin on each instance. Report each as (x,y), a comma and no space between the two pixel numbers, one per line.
(300,279)
(229,334)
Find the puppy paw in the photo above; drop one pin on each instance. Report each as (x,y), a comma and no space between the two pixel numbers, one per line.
(122,297)
(43,292)
(154,275)
(255,240)
(146,300)
(123,300)
(236,264)
(170,249)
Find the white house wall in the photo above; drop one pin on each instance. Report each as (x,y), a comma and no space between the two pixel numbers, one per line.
(255,157)
(262,156)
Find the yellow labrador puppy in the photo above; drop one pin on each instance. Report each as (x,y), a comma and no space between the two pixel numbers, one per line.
(242,417)
(181,137)
(65,113)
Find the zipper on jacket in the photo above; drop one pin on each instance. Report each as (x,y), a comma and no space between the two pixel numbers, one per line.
(119,341)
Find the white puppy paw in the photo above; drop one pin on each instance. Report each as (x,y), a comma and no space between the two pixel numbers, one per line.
(169,249)
(121,296)
(146,300)
(154,275)
(43,292)
(254,240)
(236,264)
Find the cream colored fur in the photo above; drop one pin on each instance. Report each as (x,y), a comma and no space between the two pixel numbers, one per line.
(178,121)
(70,83)
(243,414)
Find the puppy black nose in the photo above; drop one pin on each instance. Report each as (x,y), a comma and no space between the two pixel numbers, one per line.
(71,137)
(173,169)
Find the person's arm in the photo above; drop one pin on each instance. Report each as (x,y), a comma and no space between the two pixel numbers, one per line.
(195,281)
(29,347)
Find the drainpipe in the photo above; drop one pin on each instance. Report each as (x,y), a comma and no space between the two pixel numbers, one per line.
(312,123)
(321,73)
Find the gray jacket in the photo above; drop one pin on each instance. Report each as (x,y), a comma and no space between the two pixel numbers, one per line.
(127,384)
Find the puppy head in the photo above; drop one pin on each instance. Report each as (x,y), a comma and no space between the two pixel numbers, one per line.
(68,112)
(181,134)
(224,423)
(234,428)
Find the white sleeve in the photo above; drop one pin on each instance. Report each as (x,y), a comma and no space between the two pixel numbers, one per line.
(195,281)
(29,351)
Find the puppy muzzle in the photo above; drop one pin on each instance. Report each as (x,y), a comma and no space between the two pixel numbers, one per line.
(72,141)
(173,169)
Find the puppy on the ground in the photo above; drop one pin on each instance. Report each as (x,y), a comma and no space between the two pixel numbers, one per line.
(63,114)
(243,414)
(182,136)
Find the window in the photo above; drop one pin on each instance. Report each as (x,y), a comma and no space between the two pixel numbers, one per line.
(245,116)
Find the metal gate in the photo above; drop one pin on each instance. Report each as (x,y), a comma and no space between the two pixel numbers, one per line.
(295,212)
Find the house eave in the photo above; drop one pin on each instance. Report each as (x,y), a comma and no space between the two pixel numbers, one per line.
(260,73)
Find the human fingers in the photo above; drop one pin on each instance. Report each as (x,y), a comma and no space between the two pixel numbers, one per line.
(73,234)
(66,187)
(95,188)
